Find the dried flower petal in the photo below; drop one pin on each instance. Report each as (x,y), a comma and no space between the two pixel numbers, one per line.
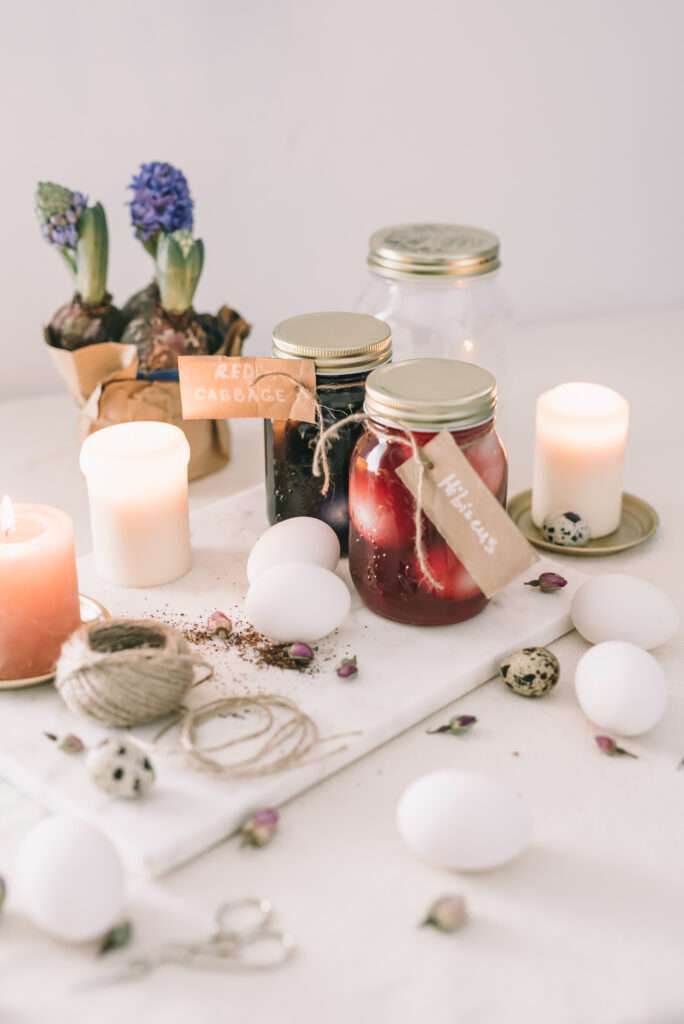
(347,668)
(300,652)
(548,582)
(116,938)
(608,746)
(219,625)
(455,726)
(259,829)
(448,913)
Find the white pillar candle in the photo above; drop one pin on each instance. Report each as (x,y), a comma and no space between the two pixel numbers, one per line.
(137,476)
(579,453)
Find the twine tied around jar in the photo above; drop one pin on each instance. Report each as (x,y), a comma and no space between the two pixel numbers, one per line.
(318,410)
(320,468)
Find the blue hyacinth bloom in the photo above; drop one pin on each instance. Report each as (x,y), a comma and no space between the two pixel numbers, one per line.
(161,200)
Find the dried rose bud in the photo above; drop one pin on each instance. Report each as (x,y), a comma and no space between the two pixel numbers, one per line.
(447,914)
(259,829)
(548,582)
(347,668)
(455,726)
(69,743)
(608,746)
(300,652)
(219,625)
(3,891)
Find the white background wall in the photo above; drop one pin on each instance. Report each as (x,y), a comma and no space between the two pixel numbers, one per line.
(302,126)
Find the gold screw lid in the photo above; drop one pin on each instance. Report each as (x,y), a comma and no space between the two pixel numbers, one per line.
(339,343)
(433,250)
(431,394)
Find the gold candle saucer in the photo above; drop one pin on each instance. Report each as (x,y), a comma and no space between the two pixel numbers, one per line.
(91,611)
(639,522)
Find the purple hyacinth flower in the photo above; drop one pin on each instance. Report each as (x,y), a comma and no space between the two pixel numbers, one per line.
(161,200)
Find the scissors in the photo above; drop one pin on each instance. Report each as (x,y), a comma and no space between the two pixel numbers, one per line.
(245,939)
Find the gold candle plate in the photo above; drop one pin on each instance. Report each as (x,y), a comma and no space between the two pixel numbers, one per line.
(639,522)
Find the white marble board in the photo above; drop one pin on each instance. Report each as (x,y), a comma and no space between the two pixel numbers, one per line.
(405,674)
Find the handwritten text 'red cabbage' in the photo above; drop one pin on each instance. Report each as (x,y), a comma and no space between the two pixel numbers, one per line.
(230,387)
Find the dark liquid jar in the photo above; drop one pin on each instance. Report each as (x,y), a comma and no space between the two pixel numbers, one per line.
(425,396)
(345,347)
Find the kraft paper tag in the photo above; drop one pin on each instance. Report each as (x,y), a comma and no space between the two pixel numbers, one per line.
(227,387)
(468,516)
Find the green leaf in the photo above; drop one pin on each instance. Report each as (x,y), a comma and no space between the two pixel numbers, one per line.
(116,938)
(92,255)
(68,259)
(177,273)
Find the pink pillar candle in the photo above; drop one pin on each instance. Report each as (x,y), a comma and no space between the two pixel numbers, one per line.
(39,605)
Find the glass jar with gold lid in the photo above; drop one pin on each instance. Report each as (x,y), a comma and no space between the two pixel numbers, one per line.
(345,348)
(437,286)
(423,396)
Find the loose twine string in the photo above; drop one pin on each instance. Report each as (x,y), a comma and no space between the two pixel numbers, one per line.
(287,745)
(321,464)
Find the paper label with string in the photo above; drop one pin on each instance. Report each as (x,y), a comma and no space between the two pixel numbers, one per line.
(473,523)
(237,387)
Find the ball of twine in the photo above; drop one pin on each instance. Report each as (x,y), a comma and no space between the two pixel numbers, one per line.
(125,671)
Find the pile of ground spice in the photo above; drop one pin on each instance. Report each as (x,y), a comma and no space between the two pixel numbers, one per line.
(250,645)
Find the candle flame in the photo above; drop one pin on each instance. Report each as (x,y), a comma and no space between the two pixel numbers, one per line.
(7,517)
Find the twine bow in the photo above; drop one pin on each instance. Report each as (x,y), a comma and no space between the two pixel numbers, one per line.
(320,468)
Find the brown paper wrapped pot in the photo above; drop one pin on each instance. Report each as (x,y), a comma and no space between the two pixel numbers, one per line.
(102,380)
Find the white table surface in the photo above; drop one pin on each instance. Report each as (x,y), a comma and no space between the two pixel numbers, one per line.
(588,926)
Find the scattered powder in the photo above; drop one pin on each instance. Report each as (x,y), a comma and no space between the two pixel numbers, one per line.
(250,645)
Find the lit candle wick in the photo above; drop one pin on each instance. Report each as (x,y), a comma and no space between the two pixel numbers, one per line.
(7,519)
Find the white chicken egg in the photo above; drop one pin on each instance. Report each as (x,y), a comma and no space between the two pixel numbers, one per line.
(620,607)
(621,688)
(68,879)
(297,601)
(463,821)
(301,539)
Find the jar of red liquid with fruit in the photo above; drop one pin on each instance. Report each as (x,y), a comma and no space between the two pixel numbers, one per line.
(345,347)
(423,396)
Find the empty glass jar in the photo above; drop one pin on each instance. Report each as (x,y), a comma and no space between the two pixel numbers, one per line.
(425,396)
(345,348)
(437,286)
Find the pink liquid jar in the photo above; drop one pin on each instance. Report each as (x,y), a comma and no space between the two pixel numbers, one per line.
(424,396)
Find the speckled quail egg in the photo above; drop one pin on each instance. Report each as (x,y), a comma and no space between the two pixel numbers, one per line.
(566,529)
(121,768)
(531,672)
